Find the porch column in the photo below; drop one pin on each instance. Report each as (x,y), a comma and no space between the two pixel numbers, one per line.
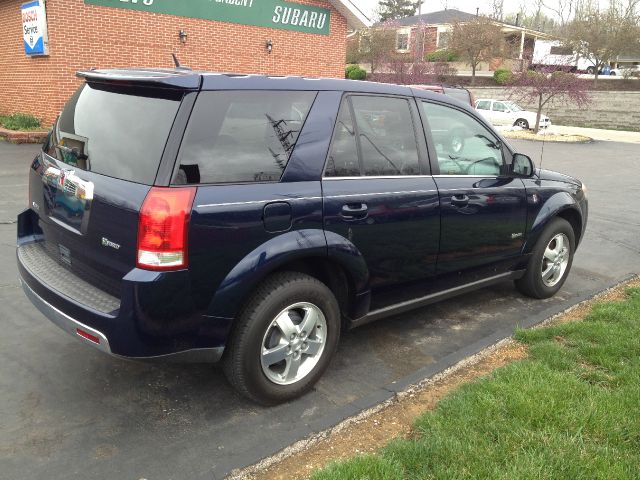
(521,56)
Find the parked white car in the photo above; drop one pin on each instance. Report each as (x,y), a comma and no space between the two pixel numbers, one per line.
(628,70)
(505,112)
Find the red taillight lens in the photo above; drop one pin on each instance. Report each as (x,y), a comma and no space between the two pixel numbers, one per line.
(163,228)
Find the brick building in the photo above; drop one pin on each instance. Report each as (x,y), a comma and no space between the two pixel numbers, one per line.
(278,37)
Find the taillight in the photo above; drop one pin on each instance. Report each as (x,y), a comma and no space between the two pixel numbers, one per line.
(163,227)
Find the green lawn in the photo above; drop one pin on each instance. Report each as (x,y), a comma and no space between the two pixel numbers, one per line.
(571,410)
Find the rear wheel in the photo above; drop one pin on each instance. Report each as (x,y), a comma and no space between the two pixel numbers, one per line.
(591,70)
(550,261)
(284,339)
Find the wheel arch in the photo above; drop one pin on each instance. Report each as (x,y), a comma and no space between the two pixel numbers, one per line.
(561,205)
(339,265)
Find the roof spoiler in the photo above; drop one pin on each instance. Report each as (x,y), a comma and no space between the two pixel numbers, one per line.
(159,78)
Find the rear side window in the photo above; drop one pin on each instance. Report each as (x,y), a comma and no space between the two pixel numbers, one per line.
(115,131)
(241,136)
(483,105)
(383,133)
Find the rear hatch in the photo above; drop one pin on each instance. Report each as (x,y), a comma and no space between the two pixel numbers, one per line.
(96,168)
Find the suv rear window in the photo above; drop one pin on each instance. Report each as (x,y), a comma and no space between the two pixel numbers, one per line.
(115,131)
(241,136)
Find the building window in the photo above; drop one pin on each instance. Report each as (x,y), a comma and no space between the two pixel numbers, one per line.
(402,41)
(443,39)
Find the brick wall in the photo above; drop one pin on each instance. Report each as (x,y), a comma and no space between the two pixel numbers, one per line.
(85,36)
(608,110)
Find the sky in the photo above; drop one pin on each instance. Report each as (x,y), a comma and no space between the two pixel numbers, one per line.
(369,6)
(510,6)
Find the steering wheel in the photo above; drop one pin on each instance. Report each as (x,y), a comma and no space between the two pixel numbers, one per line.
(491,159)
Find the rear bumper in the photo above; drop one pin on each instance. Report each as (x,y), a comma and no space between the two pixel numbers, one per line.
(154,317)
(65,322)
(136,348)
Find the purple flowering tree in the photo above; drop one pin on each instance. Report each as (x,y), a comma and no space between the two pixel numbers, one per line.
(546,88)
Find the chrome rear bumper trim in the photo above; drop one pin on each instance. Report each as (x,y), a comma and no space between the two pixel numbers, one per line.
(64,321)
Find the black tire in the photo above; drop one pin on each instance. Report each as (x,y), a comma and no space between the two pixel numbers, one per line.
(532,284)
(613,74)
(522,123)
(242,358)
(591,70)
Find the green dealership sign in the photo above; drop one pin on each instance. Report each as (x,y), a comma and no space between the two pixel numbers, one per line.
(262,13)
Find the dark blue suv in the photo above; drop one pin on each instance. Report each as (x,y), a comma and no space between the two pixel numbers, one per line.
(250,219)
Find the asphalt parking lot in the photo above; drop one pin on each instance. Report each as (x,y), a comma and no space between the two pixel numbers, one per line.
(69,412)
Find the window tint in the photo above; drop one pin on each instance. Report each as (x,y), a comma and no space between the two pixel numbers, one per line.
(343,157)
(118,132)
(463,145)
(386,135)
(483,105)
(241,136)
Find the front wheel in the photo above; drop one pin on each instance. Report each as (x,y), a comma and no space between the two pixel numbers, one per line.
(550,261)
(522,123)
(284,339)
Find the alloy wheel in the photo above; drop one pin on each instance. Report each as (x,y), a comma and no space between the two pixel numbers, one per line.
(555,259)
(293,343)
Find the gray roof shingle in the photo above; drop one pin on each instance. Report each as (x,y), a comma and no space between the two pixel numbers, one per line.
(443,16)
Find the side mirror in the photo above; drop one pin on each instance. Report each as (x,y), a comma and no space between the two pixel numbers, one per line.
(522,165)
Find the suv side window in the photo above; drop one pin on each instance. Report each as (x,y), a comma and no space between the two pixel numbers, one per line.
(483,105)
(343,156)
(241,136)
(463,145)
(386,135)
(383,133)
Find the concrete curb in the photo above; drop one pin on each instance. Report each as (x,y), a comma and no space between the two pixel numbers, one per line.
(17,136)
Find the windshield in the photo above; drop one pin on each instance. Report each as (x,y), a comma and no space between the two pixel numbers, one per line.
(514,107)
(118,132)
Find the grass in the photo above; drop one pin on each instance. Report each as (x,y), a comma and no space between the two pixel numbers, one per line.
(570,410)
(20,121)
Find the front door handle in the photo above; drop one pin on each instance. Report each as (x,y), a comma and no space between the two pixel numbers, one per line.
(353,211)
(460,200)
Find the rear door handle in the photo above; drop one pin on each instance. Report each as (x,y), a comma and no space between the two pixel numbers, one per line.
(460,200)
(353,211)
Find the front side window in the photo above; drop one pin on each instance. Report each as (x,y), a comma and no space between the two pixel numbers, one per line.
(483,105)
(241,136)
(463,145)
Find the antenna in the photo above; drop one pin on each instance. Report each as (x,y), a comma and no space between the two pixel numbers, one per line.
(544,138)
(177,64)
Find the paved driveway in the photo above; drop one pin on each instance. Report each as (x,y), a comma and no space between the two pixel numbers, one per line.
(69,412)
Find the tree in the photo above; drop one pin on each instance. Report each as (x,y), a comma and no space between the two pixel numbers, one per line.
(600,36)
(395,9)
(376,44)
(477,41)
(543,89)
